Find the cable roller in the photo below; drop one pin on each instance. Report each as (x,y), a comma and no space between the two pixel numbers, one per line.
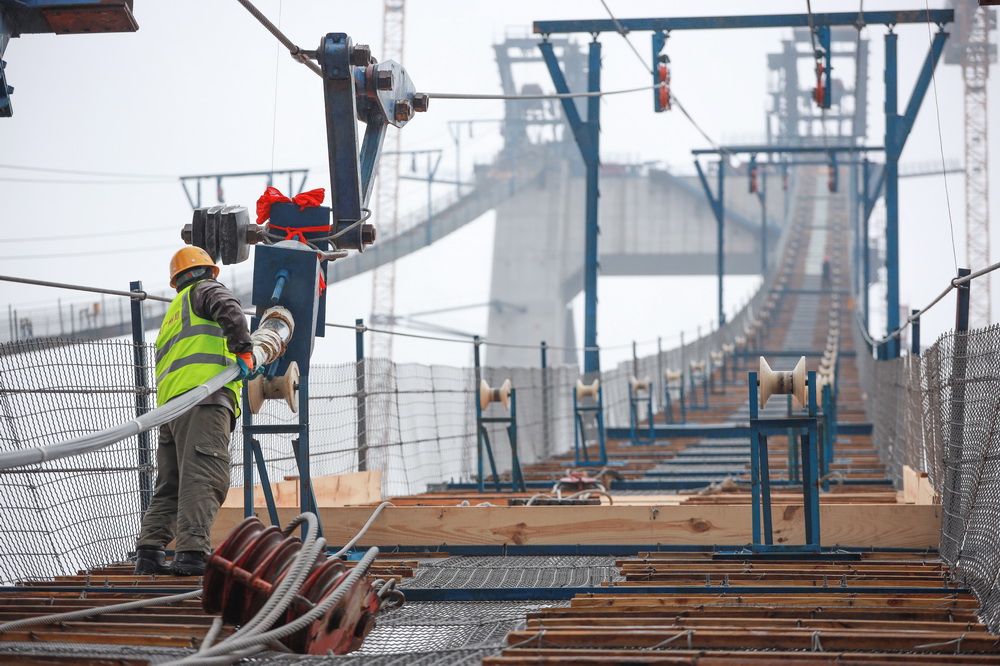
(640,384)
(672,375)
(488,395)
(780,382)
(728,348)
(285,387)
(741,342)
(584,390)
(698,366)
(716,356)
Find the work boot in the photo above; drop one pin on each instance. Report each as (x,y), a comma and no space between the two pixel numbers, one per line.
(189,563)
(150,561)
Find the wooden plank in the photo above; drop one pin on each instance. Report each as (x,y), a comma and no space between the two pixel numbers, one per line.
(909,485)
(333,490)
(14,659)
(800,639)
(528,656)
(803,598)
(886,526)
(625,623)
(37,635)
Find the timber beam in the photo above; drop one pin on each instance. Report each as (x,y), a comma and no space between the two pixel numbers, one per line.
(856,526)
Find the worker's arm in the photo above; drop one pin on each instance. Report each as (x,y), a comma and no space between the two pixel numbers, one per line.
(213,300)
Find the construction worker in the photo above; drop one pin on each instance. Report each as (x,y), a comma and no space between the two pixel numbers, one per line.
(203,332)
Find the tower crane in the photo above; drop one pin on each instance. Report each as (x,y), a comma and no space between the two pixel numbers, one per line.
(387,187)
(973,51)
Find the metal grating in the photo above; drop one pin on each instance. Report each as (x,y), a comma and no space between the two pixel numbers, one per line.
(515,571)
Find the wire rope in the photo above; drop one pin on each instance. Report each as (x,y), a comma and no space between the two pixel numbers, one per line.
(944,168)
(98,440)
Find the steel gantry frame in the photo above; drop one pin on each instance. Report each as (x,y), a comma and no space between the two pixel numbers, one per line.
(587,132)
(716,200)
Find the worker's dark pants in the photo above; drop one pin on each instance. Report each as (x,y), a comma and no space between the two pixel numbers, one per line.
(192,480)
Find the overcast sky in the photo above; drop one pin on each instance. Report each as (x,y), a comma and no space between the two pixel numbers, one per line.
(203,88)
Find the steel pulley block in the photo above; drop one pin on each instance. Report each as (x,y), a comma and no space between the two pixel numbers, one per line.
(269,575)
(578,482)
(344,626)
(232,565)
(225,232)
(237,590)
(243,572)
(234,246)
(221,562)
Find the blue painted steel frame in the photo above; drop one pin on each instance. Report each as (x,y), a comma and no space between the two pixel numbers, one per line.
(6,29)
(516,476)
(587,134)
(760,489)
(580,432)
(897,129)
(482,446)
(594,26)
(718,209)
(725,430)
(668,402)
(648,435)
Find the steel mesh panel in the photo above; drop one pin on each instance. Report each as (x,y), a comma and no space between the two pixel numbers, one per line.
(940,413)
(515,571)
(466,656)
(66,514)
(35,652)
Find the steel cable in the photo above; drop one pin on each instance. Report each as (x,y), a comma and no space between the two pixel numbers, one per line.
(99,610)
(98,440)
(296,52)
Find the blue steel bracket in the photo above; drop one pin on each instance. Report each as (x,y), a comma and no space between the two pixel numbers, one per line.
(6,110)
(581,457)
(660,58)
(61,17)
(759,471)
(825,54)
(378,94)
(300,295)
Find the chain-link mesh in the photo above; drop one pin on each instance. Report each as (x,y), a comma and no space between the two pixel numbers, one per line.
(65,514)
(940,413)
(514,571)
(414,423)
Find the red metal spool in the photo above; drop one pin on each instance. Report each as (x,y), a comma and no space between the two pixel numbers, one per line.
(222,560)
(245,569)
(234,594)
(345,625)
(269,575)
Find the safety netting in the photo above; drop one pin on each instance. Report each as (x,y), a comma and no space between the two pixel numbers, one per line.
(79,511)
(416,424)
(939,413)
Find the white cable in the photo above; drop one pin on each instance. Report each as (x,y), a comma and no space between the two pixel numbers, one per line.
(96,441)
(364,528)
(98,610)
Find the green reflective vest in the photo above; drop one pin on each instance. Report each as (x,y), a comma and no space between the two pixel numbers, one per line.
(190,351)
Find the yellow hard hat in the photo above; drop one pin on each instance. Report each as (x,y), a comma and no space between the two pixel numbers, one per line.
(187,258)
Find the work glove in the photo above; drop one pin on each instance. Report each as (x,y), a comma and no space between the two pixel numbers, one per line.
(245,361)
